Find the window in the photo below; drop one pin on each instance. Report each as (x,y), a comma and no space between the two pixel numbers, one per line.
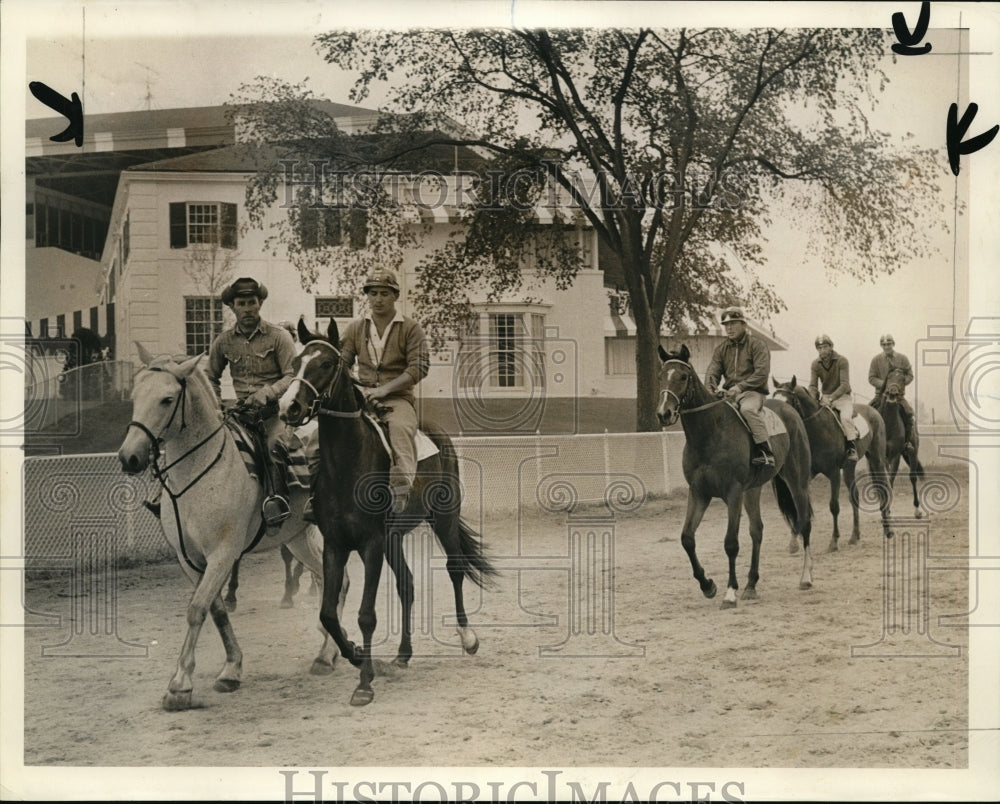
(202,322)
(619,356)
(503,350)
(202,223)
(125,239)
(327,226)
(334,307)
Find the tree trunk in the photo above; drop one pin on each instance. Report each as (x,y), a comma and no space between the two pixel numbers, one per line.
(647,370)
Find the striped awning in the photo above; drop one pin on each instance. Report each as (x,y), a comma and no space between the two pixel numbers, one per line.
(618,326)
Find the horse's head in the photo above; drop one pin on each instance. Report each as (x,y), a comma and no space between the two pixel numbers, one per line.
(158,408)
(676,380)
(894,385)
(320,373)
(794,394)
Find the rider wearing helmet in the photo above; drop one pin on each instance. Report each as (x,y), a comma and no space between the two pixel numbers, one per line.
(830,383)
(745,362)
(392,357)
(882,366)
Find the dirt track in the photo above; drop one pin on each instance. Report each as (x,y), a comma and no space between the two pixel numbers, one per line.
(679,683)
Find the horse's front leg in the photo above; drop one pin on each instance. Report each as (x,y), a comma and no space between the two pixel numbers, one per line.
(206,593)
(307,548)
(695,511)
(751,503)
(291,578)
(234,584)
(373,556)
(231,675)
(732,544)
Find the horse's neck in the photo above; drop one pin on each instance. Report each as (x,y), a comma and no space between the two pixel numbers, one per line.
(198,419)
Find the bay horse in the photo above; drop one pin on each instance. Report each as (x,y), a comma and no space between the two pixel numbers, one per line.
(716,463)
(828,448)
(895,437)
(352,503)
(211,506)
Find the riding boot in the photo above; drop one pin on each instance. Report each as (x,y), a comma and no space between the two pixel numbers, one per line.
(400,489)
(852,451)
(275,508)
(764,456)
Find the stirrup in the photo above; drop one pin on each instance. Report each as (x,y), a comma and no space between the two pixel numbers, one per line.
(762,459)
(852,452)
(152,507)
(275,517)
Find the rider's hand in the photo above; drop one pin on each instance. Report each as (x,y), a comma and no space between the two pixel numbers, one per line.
(826,400)
(733,392)
(257,399)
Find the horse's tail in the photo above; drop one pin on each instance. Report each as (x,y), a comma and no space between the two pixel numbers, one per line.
(476,566)
(786,503)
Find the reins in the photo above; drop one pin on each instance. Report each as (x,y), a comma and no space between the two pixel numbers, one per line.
(160,472)
(681,401)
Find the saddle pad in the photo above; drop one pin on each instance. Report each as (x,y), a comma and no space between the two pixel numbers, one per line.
(861,424)
(773,422)
(425,447)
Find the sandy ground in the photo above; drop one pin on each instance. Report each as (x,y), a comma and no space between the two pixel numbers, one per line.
(659,677)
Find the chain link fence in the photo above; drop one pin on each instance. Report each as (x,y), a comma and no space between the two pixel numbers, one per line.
(67,495)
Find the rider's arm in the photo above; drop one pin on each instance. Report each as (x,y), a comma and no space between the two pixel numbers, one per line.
(761,357)
(284,353)
(814,379)
(216,364)
(845,380)
(714,373)
(873,374)
(907,371)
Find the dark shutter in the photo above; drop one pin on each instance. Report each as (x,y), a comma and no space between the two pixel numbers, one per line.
(228,225)
(359,228)
(178,225)
(333,233)
(309,227)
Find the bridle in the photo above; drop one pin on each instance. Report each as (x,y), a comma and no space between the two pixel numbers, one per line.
(682,400)
(792,399)
(319,397)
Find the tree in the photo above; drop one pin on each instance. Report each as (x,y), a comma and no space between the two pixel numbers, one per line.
(691,141)
(211,268)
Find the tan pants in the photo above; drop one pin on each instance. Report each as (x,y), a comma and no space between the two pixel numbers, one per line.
(402,421)
(750,404)
(845,407)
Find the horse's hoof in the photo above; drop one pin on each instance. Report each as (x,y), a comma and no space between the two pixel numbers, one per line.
(889,534)
(832,548)
(230,605)
(287,603)
(226,685)
(805,585)
(854,540)
(362,696)
(470,642)
(728,604)
(177,701)
(320,667)
(471,649)
(709,589)
(400,663)
(793,547)
(918,514)
(749,594)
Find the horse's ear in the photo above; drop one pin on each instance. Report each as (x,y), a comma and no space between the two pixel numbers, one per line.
(304,334)
(685,352)
(189,365)
(333,333)
(792,383)
(662,351)
(144,356)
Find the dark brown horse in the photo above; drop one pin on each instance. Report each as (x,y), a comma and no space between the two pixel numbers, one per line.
(895,437)
(829,454)
(352,503)
(716,463)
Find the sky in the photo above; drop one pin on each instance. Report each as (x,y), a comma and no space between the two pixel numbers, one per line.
(121,63)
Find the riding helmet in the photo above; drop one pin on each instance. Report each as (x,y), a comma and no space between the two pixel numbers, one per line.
(381,279)
(732,314)
(886,339)
(821,339)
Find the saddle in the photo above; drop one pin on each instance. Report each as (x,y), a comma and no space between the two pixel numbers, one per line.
(772,421)
(860,423)
(375,417)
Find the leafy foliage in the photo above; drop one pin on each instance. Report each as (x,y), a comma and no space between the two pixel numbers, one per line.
(677,146)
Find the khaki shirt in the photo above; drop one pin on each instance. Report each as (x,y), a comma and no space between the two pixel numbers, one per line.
(262,360)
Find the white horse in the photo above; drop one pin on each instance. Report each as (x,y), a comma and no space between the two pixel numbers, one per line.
(211,506)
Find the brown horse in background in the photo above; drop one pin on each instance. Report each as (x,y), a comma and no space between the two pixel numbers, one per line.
(895,437)
(829,454)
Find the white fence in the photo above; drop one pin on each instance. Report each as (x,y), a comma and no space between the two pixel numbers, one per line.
(70,495)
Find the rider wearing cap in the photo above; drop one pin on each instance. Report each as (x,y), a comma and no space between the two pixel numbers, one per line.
(392,357)
(745,362)
(831,372)
(882,366)
(259,356)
